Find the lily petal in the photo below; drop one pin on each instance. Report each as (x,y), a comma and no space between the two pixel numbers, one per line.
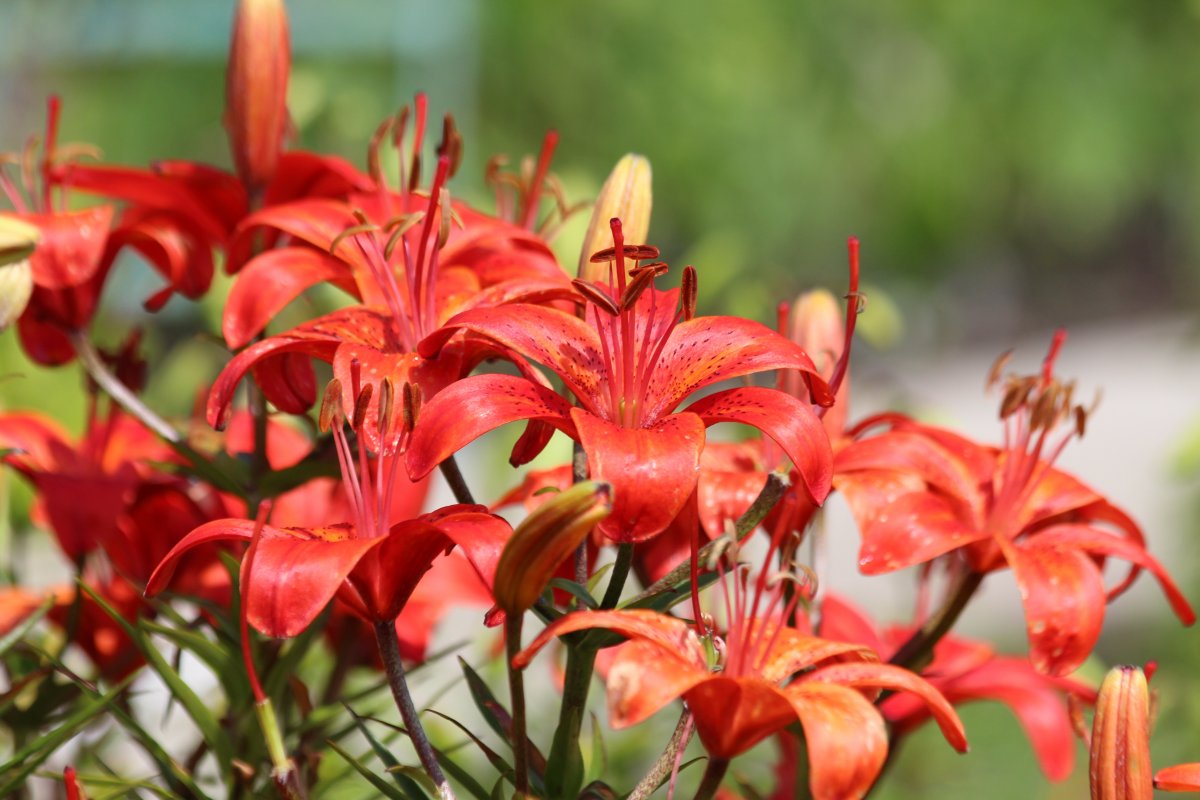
(845,737)
(456,416)
(1063,594)
(635,692)
(297,571)
(791,423)
(1179,778)
(669,634)
(271,281)
(706,350)
(734,714)
(653,471)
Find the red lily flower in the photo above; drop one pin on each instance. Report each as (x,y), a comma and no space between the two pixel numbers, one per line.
(920,492)
(1178,778)
(629,365)
(369,563)
(82,488)
(966,670)
(770,675)
(409,282)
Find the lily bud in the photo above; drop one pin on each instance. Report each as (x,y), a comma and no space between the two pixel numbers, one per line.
(816,325)
(1119,762)
(17,242)
(625,194)
(544,539)
(256,89)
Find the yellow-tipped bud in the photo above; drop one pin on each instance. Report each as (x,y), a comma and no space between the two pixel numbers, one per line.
(626,194)
(17,242)
(1119,761)
(544,539)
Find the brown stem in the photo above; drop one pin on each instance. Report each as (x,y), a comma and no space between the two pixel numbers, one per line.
(458,484)
(916,653)
(389,652)
(516,690)
(118,391)
(665,764)
(714,773)
(777,483)
(579,471)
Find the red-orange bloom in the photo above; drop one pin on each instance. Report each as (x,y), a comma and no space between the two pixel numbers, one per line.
(919,492)
(630,364)
(771,676)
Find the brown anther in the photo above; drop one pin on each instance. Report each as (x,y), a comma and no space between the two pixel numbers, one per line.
(397,235)
(1081,416)
(1015,395)
(998,367)
(351,231)
(414,177)
(386,400)
(860,301)
(451,145)
(598,297)
(444,218)
(660,268)
(374,168)
(361,404)
(494,169)
(410,403)
(634,252)
(642,279)
(331,406)
(688,292)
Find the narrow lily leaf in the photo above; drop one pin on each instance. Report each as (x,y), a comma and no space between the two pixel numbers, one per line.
(285,666)
(599,761)
(210,729)
(223,663)
(577,591)
(465,779)
(31,756)
(494,758)
(393,766)
(485,701)
(383,787)
(18,633)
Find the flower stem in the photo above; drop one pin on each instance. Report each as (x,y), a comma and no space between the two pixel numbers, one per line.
(118,391)
(389,652)
(620,573)
(124,397)
(917,652)
(714,773)
(777,483)
(516,690)
(579,472)
(665,764)
(458,484)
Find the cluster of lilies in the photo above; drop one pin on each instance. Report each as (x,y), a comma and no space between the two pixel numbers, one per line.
(307,513)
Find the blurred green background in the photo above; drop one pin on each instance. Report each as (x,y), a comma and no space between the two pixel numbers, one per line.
(1008,166)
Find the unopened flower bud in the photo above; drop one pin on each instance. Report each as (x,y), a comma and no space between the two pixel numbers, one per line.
(816,324)
(17,242)
(625,194)
(544,539)
(256,89)
(1119,761)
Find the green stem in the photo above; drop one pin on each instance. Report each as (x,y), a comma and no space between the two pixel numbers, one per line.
(620,573)
(579,472)
(917,652)
(665,764)
(714,773)
(118,391)
(566,761)
(777,483)
(458,484)
(516,690)
(389,652)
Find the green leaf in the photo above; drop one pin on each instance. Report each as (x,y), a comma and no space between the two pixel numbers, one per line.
(224,664)
(599,761)
(573,588)
(210,729)
(382,786)
(18,633)
(485,701)
(31,756)
(393,766)
(598,790)
(279,481)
